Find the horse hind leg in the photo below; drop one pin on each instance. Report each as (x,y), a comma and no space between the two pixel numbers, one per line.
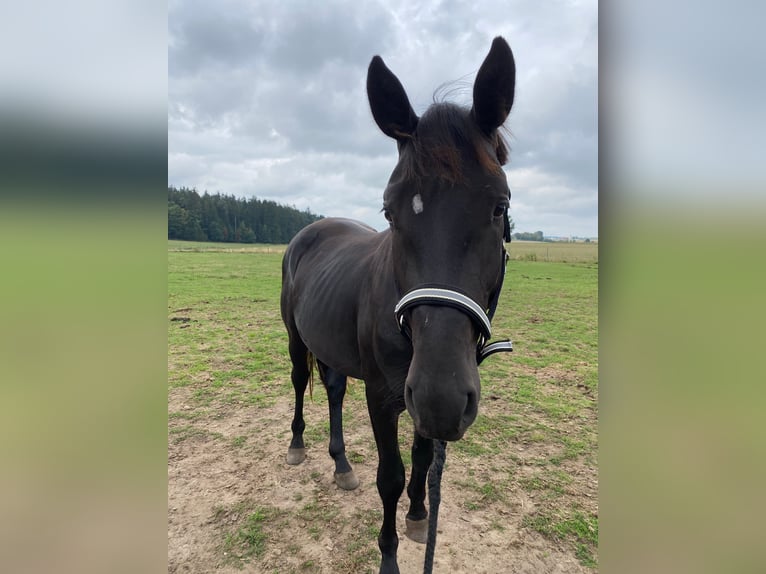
(335,383)
(301,373)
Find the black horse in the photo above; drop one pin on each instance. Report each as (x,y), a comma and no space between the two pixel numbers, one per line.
(403,309)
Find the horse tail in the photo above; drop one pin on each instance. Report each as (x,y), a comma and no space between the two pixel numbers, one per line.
(311,361)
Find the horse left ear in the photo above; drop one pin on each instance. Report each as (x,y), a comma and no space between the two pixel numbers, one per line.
(390,106)
(494,87)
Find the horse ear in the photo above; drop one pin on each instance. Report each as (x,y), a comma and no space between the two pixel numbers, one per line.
(494,87)
(388,101)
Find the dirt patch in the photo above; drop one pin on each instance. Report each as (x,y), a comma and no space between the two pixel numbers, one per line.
(228,485)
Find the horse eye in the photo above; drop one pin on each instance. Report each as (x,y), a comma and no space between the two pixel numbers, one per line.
(387,215)
(499,210)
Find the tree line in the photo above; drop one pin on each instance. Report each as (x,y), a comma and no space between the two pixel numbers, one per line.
(225,218)
(529,236)
(524,235)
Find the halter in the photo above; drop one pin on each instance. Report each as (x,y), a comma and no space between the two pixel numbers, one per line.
(445,296)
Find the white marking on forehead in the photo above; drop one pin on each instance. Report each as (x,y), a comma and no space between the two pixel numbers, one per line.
(417,204)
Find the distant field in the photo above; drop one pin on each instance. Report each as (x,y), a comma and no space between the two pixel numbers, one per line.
(518,250)
(553,251)
(177,245)
(520,488)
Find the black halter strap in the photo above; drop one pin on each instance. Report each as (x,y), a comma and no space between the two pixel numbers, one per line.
(504,345)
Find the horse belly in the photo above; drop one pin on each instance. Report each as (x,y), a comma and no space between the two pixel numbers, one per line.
(326,320)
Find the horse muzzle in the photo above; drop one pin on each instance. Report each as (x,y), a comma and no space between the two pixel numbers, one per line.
(446,420)
(442,388)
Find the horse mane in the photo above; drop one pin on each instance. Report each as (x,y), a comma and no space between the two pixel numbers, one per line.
(445,135)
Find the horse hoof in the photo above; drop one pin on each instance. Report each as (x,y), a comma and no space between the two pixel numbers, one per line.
(417,530)
(346,480)
(296,455)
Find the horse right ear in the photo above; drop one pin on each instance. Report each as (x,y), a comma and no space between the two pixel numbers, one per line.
(494,87)
(388,101)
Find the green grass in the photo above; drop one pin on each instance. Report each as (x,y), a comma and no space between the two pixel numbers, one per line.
(552,482)
(483,494)
(232,347)
(244,530)
(238,441)
(249,539)
(227,346)
(362,553)
(579,529)
(318,517)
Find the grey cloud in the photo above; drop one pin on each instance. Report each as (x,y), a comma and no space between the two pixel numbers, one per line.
(328,32)
(299,72)
(205,35)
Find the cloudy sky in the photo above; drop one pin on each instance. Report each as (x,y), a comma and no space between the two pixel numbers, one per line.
(267,99)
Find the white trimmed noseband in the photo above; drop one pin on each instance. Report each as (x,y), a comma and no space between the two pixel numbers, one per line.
(450,298)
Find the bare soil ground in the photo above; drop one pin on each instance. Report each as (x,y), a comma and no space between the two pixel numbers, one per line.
(229,463)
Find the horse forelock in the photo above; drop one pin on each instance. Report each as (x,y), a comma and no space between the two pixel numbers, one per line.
(445,137)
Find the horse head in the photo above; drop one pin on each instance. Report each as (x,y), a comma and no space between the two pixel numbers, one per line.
(446,203)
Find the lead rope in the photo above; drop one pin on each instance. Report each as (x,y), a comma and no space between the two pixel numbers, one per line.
(434,498)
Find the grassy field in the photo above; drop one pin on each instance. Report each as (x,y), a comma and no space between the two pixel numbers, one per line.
(520,487)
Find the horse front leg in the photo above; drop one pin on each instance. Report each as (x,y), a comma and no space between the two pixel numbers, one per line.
(390,480)
(417,517)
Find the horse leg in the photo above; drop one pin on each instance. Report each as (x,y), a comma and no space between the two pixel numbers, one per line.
(335,383)
(417,517)
(390,480)
(296,454)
